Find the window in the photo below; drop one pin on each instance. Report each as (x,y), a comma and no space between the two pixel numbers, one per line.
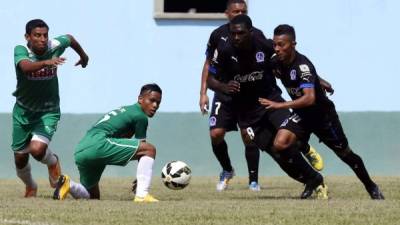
(189,9)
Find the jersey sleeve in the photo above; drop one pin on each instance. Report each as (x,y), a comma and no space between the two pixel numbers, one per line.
(141,127)
(20,53)
(211,45)
(307,75)
(64,40)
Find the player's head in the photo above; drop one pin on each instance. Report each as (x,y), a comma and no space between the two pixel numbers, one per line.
(37,35)
(150,99)
(234,8)
(240,29)
(285,42)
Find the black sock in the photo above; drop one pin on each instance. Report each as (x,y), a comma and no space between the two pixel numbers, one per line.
(287,167)
(221,152)
(293,157)
(304,148)
(252,157)
(357,165)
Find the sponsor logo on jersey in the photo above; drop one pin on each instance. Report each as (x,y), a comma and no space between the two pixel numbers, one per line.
(306,73)
(224,38)
(251,77)
(213,121)
(293,74)
(46,73)
(294,91)
(234,58)
(260,57)
(304,68)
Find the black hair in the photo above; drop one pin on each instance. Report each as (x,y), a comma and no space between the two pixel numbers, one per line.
(242,19)
(230,2)
(285,29)
(34,24)
(150,88)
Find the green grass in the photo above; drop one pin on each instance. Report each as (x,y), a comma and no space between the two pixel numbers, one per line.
(199,203)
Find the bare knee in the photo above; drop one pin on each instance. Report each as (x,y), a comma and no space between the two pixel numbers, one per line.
(21,160)
(145,149)
(283,140)
(37,149)
(217,135)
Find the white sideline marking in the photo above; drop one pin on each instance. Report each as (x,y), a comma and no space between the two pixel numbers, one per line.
(22,222)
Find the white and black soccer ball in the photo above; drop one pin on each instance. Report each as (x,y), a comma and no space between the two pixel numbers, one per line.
(176,175)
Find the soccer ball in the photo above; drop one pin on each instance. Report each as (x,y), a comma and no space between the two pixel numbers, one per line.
(176,175)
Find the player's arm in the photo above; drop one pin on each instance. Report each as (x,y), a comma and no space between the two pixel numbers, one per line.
(27,66)
(84,58)
(204,102)
(306,100)
(228,88)
(326,86)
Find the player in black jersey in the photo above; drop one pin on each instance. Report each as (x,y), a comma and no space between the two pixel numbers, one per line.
(223,119)
(313,112)
(243,71)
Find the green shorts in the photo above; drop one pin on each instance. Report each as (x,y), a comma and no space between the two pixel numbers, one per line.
(95,151)
(26,123)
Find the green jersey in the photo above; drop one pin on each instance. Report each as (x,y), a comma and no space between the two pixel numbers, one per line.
(123,122)
(38,91)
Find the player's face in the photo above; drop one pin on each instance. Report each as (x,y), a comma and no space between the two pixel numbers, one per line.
(150,102)
(38,39)
(284,47)
(240,35)
(235,9)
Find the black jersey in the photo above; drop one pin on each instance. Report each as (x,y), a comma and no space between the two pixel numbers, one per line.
(253,70)
(301,74)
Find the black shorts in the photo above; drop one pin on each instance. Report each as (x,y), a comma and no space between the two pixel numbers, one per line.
(223,115)
(326,127)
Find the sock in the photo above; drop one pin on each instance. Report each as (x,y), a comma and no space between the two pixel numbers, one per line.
(49,158)
(78,191)
(252,157)
(25,175)
(221,152)
(143,175)
(357,165)
(287,167)
(293,157)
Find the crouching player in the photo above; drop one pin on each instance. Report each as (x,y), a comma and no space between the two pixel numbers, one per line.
(108,142)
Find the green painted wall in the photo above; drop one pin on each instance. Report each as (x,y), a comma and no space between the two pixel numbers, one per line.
(184,136)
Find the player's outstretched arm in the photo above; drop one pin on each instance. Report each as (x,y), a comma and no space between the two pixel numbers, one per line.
(307,99)
(230,88)
(83,61)
(204,102)
(28,66)
(326,86)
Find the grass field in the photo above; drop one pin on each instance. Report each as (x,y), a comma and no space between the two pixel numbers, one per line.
(199,203)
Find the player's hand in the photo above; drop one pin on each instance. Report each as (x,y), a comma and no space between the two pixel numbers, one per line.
(83,61)
(269,104)
(55,61)
(328,89)
(204,103)
(231,87)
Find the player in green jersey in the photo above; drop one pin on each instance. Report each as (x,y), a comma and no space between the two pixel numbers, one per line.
(37,112)
(110,142)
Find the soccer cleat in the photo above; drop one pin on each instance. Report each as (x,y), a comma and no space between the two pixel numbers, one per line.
(147,198)
(62,188)
(311,185)
(134,186)
(254,186)
(375,193)
(322,192)
(30,192)
(54,172)
(224,178)
(315,159)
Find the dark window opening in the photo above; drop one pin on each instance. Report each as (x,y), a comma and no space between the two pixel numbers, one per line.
(194,6)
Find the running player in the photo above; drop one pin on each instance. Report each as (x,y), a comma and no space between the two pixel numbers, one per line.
(313,112)
(243,71)
(37,110)
(222,117)
(110,142)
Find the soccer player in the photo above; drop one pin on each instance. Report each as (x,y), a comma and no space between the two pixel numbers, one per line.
(223,119)
(110,142)
(313,112)
(243,71)
(37,110)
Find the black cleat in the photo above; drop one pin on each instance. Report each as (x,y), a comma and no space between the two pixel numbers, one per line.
(134,186)
(375,193)
(311,185)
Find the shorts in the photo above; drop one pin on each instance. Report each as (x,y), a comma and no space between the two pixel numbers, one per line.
(222,115)
(95,151)
(326,127)
(26,123)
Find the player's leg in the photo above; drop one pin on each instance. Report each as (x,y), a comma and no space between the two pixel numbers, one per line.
(21,136)
(146,154)
(252,154)
(222,120)
(331,133)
